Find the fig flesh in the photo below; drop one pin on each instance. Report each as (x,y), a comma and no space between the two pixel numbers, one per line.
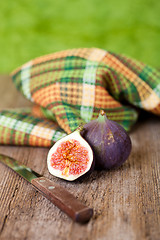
(70,157)
(109,141)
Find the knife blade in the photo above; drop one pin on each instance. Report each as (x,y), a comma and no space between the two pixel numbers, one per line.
(58,195)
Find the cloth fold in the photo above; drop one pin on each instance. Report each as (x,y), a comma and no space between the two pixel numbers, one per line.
(70,87)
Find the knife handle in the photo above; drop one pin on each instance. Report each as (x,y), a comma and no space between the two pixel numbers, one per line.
(63,199)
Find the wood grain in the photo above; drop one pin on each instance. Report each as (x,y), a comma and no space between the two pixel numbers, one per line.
(126,201)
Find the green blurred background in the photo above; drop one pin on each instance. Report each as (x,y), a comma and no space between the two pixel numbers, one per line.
(31,28)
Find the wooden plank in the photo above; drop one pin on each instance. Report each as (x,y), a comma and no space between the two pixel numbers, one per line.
(126,201)
(10,97)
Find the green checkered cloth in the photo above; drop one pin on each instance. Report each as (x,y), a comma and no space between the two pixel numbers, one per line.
(70,87)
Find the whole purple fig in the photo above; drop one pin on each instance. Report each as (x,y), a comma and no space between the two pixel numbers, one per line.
(109,141)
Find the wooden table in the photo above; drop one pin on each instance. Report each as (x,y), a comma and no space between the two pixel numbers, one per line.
(125,201)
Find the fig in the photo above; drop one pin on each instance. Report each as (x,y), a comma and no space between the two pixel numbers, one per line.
(71,157)
(109,141)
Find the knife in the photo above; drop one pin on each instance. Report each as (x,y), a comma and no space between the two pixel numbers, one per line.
(58,195)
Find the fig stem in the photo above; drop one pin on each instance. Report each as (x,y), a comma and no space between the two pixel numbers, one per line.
(102,112)
(102,116)
(80,127)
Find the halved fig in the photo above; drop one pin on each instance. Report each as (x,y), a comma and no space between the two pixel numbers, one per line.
(70,157)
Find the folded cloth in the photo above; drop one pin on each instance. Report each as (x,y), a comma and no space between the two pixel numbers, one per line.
(70,87)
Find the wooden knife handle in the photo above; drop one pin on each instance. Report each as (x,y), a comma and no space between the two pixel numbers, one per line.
(63,199)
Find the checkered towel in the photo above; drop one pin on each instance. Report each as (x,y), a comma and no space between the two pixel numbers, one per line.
(70,87)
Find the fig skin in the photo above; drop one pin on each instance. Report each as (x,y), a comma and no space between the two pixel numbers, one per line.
(109,141)
(57,172)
